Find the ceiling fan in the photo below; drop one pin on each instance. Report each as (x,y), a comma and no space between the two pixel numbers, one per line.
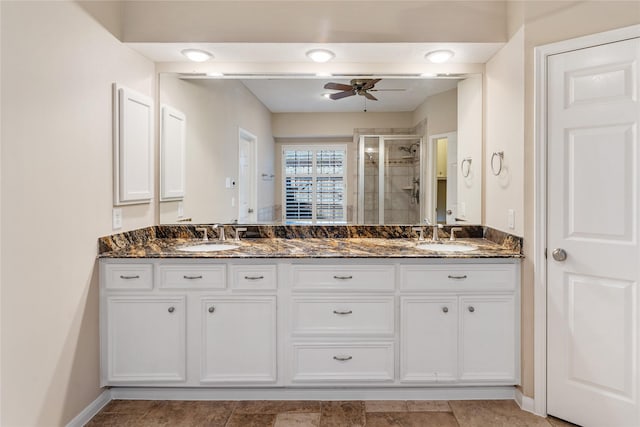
(360,87)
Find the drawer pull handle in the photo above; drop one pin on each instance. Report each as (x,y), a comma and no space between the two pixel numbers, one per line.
(445,309)
(471,309)
(171,309)
(253,277)
(464,276)
(212,309)
(342,312)
(343,277)
(129,277)
(192,277)
(342,358)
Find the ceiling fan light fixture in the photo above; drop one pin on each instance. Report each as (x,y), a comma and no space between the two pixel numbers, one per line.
(326,95)
(320,55)
(197,55)
(439,56)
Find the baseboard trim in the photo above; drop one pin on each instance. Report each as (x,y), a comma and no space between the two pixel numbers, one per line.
(91,410)
(524,402)
(439,393)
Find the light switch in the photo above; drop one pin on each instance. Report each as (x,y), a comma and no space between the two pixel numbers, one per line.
(227,182)
(511,218)
(116,218)
(463,210)
(233,202)
(180,209)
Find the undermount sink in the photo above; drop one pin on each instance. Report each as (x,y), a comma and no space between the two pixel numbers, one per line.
(208,247)
(446,247)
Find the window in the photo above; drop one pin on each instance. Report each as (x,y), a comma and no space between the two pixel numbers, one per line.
(314,184)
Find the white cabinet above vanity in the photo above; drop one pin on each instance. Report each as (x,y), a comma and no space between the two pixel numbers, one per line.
(310,323)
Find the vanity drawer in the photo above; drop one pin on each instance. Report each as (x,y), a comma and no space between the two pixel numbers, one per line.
(343,277)
(253,277)
(128,276)
(338,316)
(457,277)
(325,363)
(194,276)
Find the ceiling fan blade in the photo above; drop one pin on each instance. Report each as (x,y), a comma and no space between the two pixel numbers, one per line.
(369,96)
(370,84)
(338,86)
(344,94)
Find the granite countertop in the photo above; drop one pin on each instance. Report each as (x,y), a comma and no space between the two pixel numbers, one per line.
(312,248)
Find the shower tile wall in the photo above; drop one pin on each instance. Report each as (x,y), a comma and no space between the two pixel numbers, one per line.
(400,206)
(371,189)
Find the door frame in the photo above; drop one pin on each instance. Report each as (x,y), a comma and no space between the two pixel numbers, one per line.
(430,178)
(541,57)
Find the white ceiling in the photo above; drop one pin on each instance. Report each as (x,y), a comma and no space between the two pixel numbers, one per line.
(397,53)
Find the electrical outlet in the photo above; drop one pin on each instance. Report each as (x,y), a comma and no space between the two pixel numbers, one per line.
(511,218)
(463,210)
(116,218)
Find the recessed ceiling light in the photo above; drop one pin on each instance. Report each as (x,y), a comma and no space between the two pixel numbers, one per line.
(320,55)
(439,56)
(197,55)
(215,74)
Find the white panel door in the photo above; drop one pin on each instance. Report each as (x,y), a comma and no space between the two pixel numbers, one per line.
(429,339)
(172,153)
(247,176)
(452,178)
(239,340)
(146,339)
(593,193)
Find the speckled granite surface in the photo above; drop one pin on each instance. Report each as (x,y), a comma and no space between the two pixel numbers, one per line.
(308,242)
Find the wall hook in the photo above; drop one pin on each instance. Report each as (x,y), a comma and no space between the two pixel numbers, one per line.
(500,156)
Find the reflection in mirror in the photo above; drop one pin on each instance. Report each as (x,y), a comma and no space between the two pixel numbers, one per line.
(281,150)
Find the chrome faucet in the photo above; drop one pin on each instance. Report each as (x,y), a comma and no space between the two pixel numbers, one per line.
(220,228)
(435,237)
(452,235)
(205,238)
(418,230)
(237,231)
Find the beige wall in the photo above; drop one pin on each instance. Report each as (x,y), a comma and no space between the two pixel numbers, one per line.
(215,111)
(438,112)
(294,125)
(58,66)
(504,132)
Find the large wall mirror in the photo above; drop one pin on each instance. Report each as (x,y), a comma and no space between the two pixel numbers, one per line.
(388,150)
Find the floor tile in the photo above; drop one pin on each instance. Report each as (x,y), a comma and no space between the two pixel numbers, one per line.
(276,406)
(411,419)
(104,419)
(251,420)
(385,406)
(494,413)
(557,422)
(342,414)
(190,413)
(137,407)
(428,406)
(298,420)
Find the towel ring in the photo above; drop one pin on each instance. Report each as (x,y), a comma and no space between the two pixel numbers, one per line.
(466,160)
(500,156)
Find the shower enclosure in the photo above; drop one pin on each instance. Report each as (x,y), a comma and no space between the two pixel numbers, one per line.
(389,179)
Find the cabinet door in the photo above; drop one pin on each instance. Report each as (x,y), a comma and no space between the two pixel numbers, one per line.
(239,340)
(145,339)
(429,337)
(488,339)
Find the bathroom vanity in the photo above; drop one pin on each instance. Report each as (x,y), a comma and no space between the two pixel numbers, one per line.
(310,313)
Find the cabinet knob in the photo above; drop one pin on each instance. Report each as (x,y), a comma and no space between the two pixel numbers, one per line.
(471,309)
(171,309)
(445,309)
(212,309)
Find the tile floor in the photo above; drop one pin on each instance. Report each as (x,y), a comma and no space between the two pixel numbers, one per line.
(384,413)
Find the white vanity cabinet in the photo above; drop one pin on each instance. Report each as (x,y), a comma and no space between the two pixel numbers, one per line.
(310,323)
(460,323)
(187,323)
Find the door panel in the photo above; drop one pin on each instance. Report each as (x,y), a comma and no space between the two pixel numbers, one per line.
(593,156)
